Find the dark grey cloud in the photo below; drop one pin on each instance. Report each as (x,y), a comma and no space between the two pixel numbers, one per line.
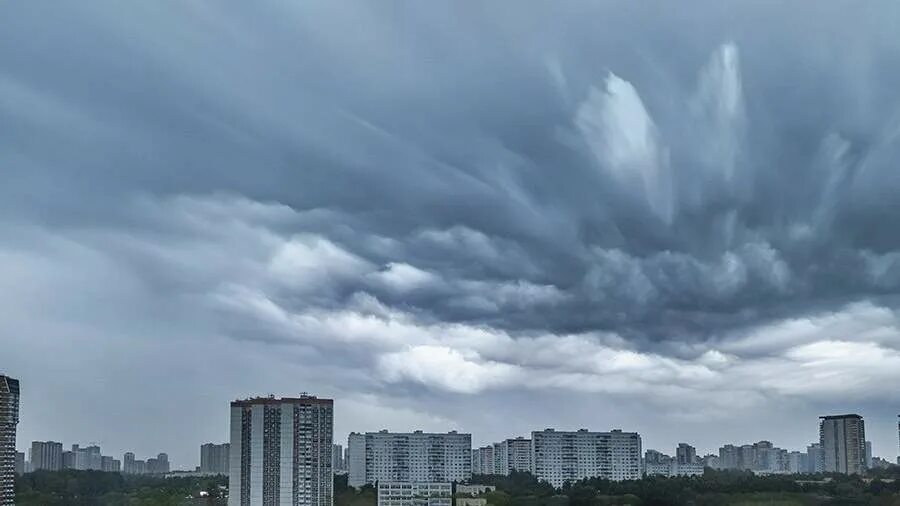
(439,213)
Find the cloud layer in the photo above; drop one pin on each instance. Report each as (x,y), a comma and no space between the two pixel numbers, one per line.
(440,215)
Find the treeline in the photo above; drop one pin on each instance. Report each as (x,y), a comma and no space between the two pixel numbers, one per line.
(345,495)
(713,488)
(97,488)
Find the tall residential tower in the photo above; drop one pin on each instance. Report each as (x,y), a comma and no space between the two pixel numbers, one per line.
(843,440)
(9,418)
(280,452)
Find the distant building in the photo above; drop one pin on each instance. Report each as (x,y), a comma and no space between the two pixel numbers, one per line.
(474,490)
(843,438)
(214,458)
(9,418)
(337,457)
(68,460)
(46,455)
(868,455)
(483,460)
(158,465)
(798,463)
(356,459)
(128,461)
(657,463)
(815,458)
(685,454)
(20,463)
(880,463)
(88,458)
(413,457)
(281,451)
(729,457)
(684,464)
(561,457)
(110,465)
(711,461)
(512,455)
(761,458)
(414,494)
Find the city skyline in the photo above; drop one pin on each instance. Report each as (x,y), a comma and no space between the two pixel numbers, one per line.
(285,452)
(674,220)
(493,447)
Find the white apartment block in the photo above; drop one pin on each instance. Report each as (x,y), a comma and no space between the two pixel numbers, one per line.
(660,464)
(512,455)
(416,457)
(572,456)
(483,460)
(280,452)
(415,494)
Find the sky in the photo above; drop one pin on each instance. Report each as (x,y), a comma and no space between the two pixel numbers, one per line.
(494,217)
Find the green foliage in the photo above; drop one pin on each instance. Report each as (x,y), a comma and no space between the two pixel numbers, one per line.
(735,488)
(347,496)
(96,488)
(714,488)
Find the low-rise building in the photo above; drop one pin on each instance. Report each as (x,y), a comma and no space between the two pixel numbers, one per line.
(474,490)
(415,494)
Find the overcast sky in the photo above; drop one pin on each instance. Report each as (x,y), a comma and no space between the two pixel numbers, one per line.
(678,218)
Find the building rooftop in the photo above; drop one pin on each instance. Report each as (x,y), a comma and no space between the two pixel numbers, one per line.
(271,399)
(839,417)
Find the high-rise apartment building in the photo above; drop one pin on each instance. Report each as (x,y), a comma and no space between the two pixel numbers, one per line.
(20,463)
(110,465)
(280,452)
(483,460)
(87,458)
(46,455)
(685,454)
(815,458)
(797,462)
(356,459)
(685,462)
(729,457)
(761,457)
(518,455)
(9,418)
(843,439)
(572,456)
(337,457)
(657,463)
(128,466)
(416,457)
(502,458)
(158,465)
(214,458)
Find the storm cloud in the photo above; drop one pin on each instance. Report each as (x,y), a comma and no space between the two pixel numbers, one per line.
(676,219)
